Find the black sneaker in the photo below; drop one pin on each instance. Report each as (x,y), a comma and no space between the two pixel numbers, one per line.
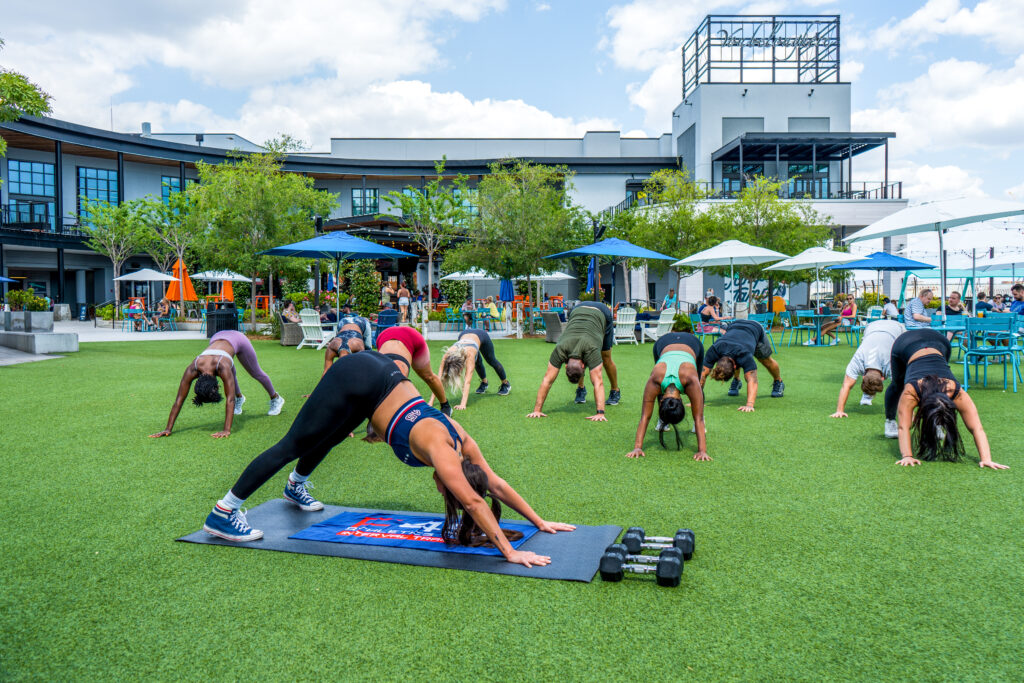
(482,389)
(581,395)
(505,388)
(446,408)
(734,388)
(777,388)
(613,397)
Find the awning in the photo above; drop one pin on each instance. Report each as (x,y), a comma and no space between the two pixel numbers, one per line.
(799,146)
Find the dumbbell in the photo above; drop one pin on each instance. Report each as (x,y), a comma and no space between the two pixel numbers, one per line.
(667,569)
(636,541)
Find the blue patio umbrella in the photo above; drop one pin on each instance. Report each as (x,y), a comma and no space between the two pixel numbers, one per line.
(6,279)
(506,292)
(614,251)
(880,261)
(337,245)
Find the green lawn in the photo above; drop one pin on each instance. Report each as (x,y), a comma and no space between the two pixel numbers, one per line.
(817,557)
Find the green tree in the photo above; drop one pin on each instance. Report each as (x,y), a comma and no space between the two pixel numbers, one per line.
(525,215)
(19,97)
(117,232)
(251,205)
(674,219)
(171,229)
(759,217)
(454,290)
(364,285)
(433,215)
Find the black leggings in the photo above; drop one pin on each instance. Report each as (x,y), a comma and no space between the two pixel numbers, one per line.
(905,346)
(348,394)
(486,353)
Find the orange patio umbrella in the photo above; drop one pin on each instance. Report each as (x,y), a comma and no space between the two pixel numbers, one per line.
(227,291)
(180,272)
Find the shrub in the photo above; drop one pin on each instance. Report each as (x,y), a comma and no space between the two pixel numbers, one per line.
(25,300)
(365,287)
(436,316)
(681,323)
(586,296)
(105,312)
(275,326)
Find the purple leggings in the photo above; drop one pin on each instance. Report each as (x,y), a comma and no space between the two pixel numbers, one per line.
(246,356)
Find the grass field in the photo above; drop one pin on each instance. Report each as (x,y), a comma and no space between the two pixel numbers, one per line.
(817,557)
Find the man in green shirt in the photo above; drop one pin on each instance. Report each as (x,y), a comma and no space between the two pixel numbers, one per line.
(586,343)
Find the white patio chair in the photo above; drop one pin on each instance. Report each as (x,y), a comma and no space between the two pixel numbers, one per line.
(625,324)
(313,333)
(663,326)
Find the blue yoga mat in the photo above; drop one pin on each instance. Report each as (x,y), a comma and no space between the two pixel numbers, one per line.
(422,532)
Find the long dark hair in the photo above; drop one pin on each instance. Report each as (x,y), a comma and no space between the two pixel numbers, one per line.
(936,415)
(207,390)
(467,527)
(671,412)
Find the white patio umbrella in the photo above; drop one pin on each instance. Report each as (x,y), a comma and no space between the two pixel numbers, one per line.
(220,275)
(730,253)
(546,277)
(817,258)
(939,217)
(145,275)
(472,276)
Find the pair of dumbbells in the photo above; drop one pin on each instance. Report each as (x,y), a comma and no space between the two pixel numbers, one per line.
(636,541)
(667,567)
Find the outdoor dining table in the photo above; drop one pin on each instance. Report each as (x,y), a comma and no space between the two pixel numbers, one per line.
(819,320)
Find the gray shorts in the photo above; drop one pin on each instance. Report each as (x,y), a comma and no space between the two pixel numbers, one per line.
(763,348)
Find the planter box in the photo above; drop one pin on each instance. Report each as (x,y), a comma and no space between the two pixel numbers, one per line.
(7,321)
(434,326)
(17,321)
(38,321)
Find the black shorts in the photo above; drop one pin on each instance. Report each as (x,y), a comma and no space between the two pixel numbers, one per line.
(609,329)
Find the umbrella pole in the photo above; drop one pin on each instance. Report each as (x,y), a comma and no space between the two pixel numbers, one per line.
(942,268)
(974,285)
(732,286)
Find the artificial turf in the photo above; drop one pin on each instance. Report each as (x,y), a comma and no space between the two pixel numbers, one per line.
(817,558)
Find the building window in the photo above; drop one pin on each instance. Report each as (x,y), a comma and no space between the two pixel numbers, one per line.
(804,180)
(732,179)
(30,177)
(470,202)
(169,184)
(364,201)
(96,185)
(22,211)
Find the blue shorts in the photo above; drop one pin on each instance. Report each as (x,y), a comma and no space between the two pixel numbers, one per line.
(397,434)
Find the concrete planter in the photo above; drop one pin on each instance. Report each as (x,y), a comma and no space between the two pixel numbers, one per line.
(38,321)
(191,327)
(7,321)
(434,326)
(17,321)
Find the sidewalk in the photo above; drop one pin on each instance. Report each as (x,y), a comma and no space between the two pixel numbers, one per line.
(10,356)
(88,333)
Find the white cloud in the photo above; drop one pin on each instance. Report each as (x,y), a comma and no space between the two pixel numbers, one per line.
(954,103)
(1016,192)
(658,95)
(316,110)
(644,30)
(851,70)
(924,183)
(996,20)
(542,7)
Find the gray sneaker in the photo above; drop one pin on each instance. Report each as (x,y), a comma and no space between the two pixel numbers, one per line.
(892,429)
(276,404)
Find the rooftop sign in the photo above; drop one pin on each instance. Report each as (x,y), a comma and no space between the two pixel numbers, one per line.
(762,49)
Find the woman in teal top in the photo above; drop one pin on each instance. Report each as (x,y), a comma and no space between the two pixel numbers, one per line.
(677,355)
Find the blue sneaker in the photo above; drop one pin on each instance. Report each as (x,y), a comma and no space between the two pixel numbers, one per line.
(298,494)
(230,525)
(734,387)
(581,395)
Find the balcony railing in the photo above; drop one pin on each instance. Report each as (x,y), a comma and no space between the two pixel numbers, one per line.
(35,218)
(795,189)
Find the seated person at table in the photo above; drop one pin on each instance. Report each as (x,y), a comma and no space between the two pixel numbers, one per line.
(289,314)
(464,357)
(328,314)
(828,329)
(467,311)
(136,316)
(916,314)
(871,361)
(982,305)
(677,355)
(163,310)
(710,316)
(889,310)
(925,396)
(998,306)
(743,341)
(586,342)
(1018,299)
(954,306)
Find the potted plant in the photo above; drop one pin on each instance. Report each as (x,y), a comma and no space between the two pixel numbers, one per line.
(434,320)
(28,313)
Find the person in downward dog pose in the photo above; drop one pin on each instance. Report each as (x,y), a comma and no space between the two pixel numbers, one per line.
(743,341)
(871,361)
(462,358)
(411,345)
(218,360)
(925,397)
(677,355)
(353,336)
(585,345)
(375,387)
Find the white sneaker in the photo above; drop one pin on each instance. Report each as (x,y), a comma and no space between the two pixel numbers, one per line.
(239,400)
(275,405)
(940,433)
(892,429)
(865,400)
(834,342)
(661,426)
(810,342)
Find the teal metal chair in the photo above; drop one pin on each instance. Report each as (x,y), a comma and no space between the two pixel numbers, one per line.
(765,320)
(804,325)
(169,319)
(786,325)
(986,342)
(202,311)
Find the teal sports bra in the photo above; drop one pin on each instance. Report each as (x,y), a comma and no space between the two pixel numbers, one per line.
(672,360)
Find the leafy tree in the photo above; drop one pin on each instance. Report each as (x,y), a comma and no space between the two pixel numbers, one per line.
(250,206)
(525,215)
(434,215)
(759,217)
(364,285)
(19,97)
(454,290)
(117,232)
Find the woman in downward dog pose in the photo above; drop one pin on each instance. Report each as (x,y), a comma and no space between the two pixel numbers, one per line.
(218,360)
(464,357)
(925,396)
(411,345)
(375,386)
(677,355)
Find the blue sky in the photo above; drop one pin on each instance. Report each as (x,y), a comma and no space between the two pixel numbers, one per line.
(946,75)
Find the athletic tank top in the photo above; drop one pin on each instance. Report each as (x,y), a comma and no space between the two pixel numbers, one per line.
(672,359)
